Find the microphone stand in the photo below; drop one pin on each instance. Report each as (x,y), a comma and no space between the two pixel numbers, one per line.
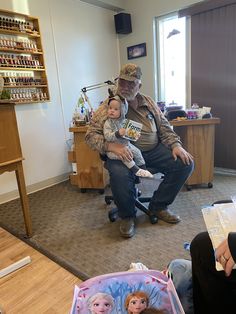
(84,98)
(84,90)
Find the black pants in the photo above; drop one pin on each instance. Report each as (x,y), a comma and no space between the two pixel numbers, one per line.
(213,292)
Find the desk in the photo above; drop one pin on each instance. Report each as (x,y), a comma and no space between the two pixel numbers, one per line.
(40,287)
(198,138)
(90,171)
(11,155)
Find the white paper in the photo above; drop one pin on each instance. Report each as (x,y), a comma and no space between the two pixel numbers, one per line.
(220,219)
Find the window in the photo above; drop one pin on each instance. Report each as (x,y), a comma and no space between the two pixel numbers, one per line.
(171,59)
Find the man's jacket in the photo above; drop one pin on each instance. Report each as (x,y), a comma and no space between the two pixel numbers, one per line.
(94,136)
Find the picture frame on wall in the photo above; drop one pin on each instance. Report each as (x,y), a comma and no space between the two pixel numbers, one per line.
(137,51)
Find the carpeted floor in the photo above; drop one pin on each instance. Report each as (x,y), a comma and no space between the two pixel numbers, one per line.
(73,228)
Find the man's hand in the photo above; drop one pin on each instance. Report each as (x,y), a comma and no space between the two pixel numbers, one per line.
(179,151)
(224,257)
(122,151)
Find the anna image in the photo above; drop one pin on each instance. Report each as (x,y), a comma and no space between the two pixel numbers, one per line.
(136,302)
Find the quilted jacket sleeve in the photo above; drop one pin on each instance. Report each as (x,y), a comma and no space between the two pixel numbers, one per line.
(94,136)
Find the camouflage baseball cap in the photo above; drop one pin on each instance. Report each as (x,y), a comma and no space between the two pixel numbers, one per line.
(130,72)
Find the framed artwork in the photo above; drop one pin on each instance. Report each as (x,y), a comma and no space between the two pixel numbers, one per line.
(137,51)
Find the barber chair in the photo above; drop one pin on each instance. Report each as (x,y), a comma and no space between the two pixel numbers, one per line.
(113,213)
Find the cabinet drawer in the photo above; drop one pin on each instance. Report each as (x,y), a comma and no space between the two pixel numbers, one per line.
(74,179)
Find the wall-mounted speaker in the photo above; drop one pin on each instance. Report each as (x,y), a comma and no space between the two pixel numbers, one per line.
(123,23)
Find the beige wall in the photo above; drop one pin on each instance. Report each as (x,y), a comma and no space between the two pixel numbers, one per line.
(81,49)
(142,16)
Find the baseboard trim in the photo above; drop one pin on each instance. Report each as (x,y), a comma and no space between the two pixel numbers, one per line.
(6,197)
(57,259)
(225,171)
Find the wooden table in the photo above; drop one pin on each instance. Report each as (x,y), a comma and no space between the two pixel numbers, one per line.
(198,138)
(11,155)
(39,287)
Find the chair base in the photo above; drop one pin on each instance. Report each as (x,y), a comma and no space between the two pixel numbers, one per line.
(113,213)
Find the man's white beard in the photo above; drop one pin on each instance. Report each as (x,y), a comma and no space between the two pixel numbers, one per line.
(130,97)
(127,95)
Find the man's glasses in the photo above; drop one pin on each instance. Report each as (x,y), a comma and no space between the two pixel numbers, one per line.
(130,84)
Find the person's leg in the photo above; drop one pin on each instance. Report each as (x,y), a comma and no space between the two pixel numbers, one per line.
(140,172)
(181,274)
(213,292)
(122,182)
(175,174)
(140,168)
(137,155)
(131,165)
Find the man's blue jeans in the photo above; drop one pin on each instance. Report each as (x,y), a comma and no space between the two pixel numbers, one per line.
(159,159)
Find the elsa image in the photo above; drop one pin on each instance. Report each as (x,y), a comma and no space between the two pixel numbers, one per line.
(100,303)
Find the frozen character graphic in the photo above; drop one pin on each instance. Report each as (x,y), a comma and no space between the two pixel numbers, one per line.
(136,302)
(100,303)
(153,311)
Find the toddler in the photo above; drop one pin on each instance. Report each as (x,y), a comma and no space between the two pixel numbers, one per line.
(114,132)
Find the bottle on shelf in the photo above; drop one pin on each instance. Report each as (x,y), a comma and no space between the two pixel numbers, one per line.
(21,58)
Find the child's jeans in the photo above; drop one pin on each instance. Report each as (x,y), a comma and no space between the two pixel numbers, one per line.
(181,272)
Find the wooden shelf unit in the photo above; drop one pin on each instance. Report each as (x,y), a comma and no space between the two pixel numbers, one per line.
(12,32)
(90,170)
(23,86)
(21,51)
(21,69)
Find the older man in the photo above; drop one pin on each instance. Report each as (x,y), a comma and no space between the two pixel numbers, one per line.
(160,146)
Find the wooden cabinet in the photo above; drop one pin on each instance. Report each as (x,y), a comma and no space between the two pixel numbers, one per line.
(198,138)
(90,171)
(21,58)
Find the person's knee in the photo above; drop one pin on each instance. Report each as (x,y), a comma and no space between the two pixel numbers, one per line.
(198,243)
(117,169)
(180,264)
(120,176)
(191,165)
(189,168)
(184,168)
(180,269)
